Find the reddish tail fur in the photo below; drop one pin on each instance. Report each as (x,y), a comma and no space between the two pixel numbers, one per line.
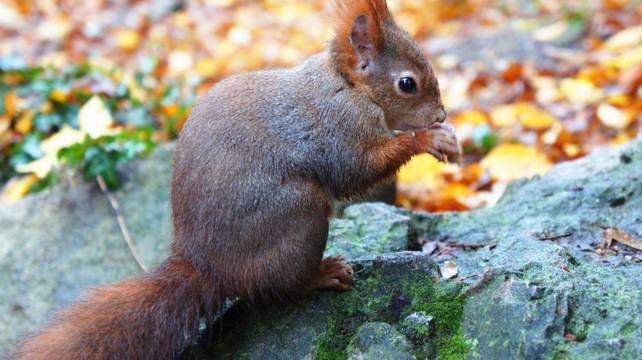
(151,316)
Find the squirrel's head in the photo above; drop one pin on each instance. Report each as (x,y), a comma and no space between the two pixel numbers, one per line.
(378,57)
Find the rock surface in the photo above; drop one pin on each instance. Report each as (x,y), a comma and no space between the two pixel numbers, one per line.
(533,295)
(56,243)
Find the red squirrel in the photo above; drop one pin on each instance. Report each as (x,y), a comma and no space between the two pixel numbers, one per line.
(258,166)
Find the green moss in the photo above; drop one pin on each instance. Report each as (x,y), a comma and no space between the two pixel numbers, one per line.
(333,345)
(444,302)
(372,301)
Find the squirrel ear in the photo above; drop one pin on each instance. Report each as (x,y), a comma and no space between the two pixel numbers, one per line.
(359,34)
(363,40)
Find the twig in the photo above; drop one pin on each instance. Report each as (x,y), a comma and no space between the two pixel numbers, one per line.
(554,237)
(469,246)
(121,220)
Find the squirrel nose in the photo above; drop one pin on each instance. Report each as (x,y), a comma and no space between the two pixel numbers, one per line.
(441,115)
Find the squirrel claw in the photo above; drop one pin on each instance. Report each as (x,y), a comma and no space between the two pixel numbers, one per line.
(333,273)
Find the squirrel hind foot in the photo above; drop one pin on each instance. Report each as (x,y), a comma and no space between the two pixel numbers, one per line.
(333,273)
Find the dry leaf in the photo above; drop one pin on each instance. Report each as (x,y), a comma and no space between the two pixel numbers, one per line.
(471,117)
(127,39)
(25,121)
(582,90)
(536,119)
(504,115)
(613,117)
(94,118)
(627,59)
(625,39)
(508,162)
(422,169)
(621,236)
(16,188)
(449,270)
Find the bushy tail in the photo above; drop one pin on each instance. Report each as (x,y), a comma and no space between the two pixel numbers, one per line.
(151,316)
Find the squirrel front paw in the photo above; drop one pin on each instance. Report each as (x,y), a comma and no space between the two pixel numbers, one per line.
(333,273)
(440,141)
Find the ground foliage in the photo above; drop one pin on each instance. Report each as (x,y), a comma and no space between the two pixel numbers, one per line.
(94,83)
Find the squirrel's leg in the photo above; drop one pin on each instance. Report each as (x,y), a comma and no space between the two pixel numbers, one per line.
(333,273)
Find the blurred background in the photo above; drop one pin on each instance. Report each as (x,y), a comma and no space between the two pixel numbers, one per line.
(91,84)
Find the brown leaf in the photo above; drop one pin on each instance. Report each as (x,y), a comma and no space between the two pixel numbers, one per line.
(613,233)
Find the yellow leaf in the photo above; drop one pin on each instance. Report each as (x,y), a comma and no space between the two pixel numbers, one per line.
(546,90)
(422,169)
(504,115)
(508,162)
(572,150)
(40,167)
(537,119)
(550,32)
(127,39)
(16,188)
(208,67)
(25,122)
(54,29)
(94,118)
(180,61)
(5,122)
(65,137)
(624,39)
(580,91)
(59,95)
(629,58)
(220,3)
(613,117)
(471,117)
(621,138)
(10,103)
(619,100)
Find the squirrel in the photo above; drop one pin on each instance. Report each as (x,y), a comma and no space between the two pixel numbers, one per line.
(258,166)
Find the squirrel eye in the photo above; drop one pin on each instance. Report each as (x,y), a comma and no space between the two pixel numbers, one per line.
(408,85)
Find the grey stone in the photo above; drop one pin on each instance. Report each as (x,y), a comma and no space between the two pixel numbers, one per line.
(518,300)
(379,341)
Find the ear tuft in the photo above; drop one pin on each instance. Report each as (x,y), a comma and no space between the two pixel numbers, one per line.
(358,31)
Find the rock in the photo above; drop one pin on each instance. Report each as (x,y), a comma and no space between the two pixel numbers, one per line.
(356,324)
(379,341)
(56,243)
(368,230)
(541,292)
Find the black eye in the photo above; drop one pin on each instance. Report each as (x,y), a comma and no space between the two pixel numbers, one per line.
(408,85)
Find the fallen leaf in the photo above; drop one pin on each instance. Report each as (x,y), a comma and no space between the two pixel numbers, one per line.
(25,121)
(65,137)
(614,117)
(5,123)
(94,118)
(619,235)
(536,119)
(16,188)
(551,32)
(10,103)
(504,115)
(422,169)
(580,90)
(449,270)
(128,39)
(628,58)
(508,162)
(624,39)
(471,117)
(39,167)
(180,61)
